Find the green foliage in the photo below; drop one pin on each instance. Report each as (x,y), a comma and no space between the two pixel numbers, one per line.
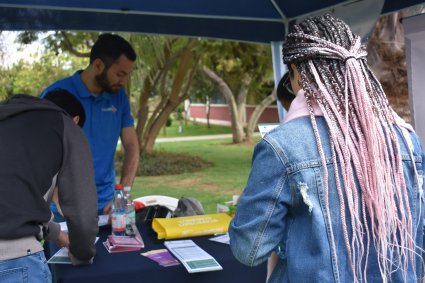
(202,88)
(7,77)
(32,78)
(169,122)
(232,60)
(77,43)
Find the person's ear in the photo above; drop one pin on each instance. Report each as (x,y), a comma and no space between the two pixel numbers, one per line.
(295,80)
(76,119)
(294,70)
(98,66)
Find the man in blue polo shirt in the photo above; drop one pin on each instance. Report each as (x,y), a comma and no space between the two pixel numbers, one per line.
(100,88)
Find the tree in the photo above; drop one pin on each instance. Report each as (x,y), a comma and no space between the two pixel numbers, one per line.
(239,69)
(32,78)
(202,91)
(386,57)
(165,68)
(168,78)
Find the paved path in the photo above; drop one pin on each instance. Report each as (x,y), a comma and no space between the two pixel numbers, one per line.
(194,138)
(197,138)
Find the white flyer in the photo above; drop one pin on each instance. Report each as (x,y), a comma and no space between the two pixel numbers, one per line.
(223,238)
(103,221)
(266,127)
(192,256)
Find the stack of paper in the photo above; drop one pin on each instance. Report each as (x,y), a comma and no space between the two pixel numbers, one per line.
(192,256)
(116,244)
(190,226)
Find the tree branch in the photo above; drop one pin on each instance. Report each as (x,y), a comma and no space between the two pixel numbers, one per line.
(67,44)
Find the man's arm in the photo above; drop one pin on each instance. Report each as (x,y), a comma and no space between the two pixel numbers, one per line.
(77,194)
(130,144)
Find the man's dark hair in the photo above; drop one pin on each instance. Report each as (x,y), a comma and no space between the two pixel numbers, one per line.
(109,47)
(284,91)
(68,102)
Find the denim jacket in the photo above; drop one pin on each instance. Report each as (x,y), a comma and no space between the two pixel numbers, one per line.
(282,209)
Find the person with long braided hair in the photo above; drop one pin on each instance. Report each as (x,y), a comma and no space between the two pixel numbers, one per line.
(337,190)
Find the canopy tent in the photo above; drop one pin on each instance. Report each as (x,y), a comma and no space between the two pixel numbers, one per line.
(261,21)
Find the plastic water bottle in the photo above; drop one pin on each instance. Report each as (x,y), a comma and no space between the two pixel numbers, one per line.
(130,212)
(118,212)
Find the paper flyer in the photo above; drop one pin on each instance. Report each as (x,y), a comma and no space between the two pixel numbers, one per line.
(192,256)
(162,257)
(266,127)
(103,221)
(224,239)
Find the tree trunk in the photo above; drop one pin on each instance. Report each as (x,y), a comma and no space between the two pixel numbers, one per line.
(259,109)
(142,114)
(208,111)
(236,106)
(175,98)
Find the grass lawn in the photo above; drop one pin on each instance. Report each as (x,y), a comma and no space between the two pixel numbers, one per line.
(193,129)
(216,184)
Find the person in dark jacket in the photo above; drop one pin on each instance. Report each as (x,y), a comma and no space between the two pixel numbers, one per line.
(42,148)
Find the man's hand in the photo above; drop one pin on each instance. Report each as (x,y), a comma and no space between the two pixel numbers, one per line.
(108,208)
(63,240)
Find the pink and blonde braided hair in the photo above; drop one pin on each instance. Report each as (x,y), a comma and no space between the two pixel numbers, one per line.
(334,74)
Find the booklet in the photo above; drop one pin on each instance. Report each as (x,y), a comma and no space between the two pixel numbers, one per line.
(191,226)
(192,256)
(162,257)
(62,257)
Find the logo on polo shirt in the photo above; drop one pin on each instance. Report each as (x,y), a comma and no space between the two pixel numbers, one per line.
(110,109)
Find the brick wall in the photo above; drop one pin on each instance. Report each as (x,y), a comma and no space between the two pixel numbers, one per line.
(220,114)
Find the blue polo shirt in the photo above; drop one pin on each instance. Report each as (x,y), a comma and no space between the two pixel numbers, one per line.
(106,115)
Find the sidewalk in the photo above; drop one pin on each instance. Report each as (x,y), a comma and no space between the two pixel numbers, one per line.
(194,138)
(197,138)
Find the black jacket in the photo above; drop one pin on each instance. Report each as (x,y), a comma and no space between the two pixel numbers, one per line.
(41,147)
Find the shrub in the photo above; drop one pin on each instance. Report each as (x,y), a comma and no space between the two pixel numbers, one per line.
(166,163)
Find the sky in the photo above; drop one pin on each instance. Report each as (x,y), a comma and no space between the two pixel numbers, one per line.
(13,52)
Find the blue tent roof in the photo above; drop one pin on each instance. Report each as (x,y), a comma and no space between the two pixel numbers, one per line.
(261,21)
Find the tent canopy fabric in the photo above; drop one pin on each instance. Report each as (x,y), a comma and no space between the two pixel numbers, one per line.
(261,21)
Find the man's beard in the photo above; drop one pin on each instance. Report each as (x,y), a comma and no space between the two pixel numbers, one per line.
(103,82)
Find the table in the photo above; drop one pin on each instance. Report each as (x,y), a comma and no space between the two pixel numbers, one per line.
(133,267)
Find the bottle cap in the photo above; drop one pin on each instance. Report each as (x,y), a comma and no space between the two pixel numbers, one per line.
(118,187)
